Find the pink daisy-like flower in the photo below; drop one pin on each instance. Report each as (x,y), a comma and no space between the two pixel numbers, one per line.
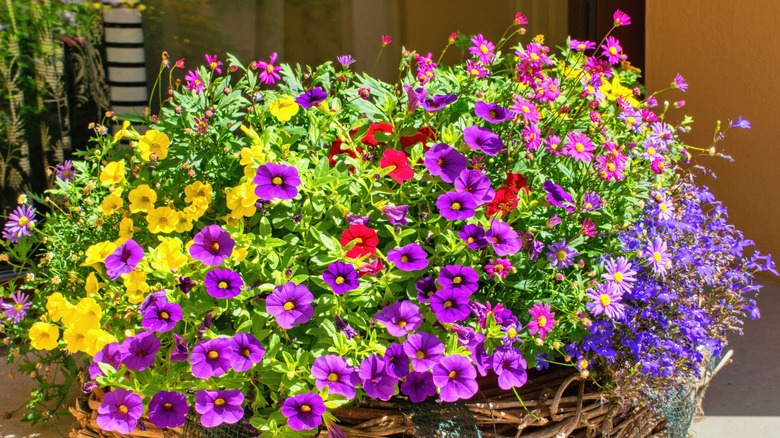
(657,256)
(543,320)
(620,274)
(476,69)
(525,109)
(214,63)
(194,82)
(482,49)
(612,50)
(579,147)
(498,268)
(620,18)
(606,300)
(269,73)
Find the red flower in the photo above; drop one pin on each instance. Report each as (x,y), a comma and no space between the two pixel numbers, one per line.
(516,181)
(366,239)
(336,149)
(504,201)
(423,135)
(402,171)
(369,138)
(371,268)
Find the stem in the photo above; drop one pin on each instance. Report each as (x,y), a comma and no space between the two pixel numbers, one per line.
(382,49)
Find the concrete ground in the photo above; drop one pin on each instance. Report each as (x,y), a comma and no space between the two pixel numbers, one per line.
(742,401)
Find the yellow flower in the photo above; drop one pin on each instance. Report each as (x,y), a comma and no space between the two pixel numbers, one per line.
(168,254)
(241,200)
(59,307)
(89,310)
(185,223)
(197,191)
(195,210)
(93,285)
(239,254)
(111,204)
(163,220)
(44,336)
(74,338)
(122,133)
(613,90)
(126,230)
(142,198)
(153,145)
(283,108)
(253,156)
(96,339)
(135,282)
(113,173)
(98,252)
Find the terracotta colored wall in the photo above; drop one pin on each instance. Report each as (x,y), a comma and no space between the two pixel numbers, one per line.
(728,53)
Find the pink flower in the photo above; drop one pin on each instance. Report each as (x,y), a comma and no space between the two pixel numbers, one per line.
(194,82)
(269,73)
(621,18)
(386,40)
(498,268)
(543,321)
(214,63)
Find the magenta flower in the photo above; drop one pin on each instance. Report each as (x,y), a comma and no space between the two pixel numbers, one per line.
(212,358)
(214,63)
(396,214)
(345,60)
(620,18)
(619,273)
(168,409)
(588,228)
(124,259)
(276,181)
(612,50)
(606,300)
(456,205)
(450,305)
(248,352)
(483,139)
(212,245)
(503,238)
(180,351)
(400,318)
(194,82)
(161,316)
(312,97)
(476,69)
(581,46)
(219,407)
(386,40)
(542,322)
(20,223)
(377,383)
(335,373)
(445,162)
(482,49)
(425,288)
(498,268)
(657,256)
(269,73)
(491,112)
(558,197)
(17,310)
(579,147)
(223,283)
(477,184)
(509,365)
(455,377)
(304,411)
(459,278)
(111,354)
(341,277)
(438,102)
(418,386)
(680,83)
(139,351)
(591,201)
(120,411)
(409,258)
(526,109)
(65,171)
(396,361)
(414,96)
(474,236)
(424,349)
(561,255)
(290,304)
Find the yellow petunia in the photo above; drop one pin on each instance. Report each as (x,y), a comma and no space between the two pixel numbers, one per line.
(113,173)
(198,192)
(135,283)
(59,307)
(253,156)
(185,223)
(241,200)
(97,253)
(111,204)
(283,108)
(92,285)
(194,211)
(74,339)
(153,146)
(89,312)
(44,336)
(96,339)
(126,230)
(122,133)
(168,255)
(162,220)
(142,198)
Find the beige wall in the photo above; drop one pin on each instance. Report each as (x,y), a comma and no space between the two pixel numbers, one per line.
(728,52)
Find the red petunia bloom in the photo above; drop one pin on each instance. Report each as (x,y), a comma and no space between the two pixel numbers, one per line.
(371,268)
(366,241)
(402,171)
(336,149)
(515,182)
(504,201)
(423,135)
(373,128)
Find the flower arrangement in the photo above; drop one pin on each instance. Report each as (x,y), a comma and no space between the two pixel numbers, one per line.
(282,241)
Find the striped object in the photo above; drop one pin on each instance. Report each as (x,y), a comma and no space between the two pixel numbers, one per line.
(124,44)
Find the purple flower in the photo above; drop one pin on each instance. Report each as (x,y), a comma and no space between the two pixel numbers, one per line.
(168,409)
(218,407)
(213,63)
(139,351)
(438,102)
(120,411)
(124,259)
(248,351)
(276,181)
(194,82)
(456,206)
(396,214)
(657,256)
(482,49)
(396,361)
(20,223)
(579,147)
(450,305)
(482,139)
(503,238)
(591,201)
(161,316)
(345,60)
(542,322)
(475,183)
(186,284)
(212,245)
(311,97)
(304,411)
(180,351)
(111,354)
(459,278)
(509,365)
(335,373)
(455,377)
(619,273)
(444,161)
(581,46)
(491,112)
(414,97)
(269,73)
(223,283)
(474,236)
(343,327)
(17,310)
(376,382)
(409,258)
(561,255)
(354,219)
(680,83)
(425,288)
(612,50)
(424,349)
(341,277)
(740,123)
(418,386)
(65,171)
(400,318)
(558,197)
(212,358)
(290,304)
(606,300)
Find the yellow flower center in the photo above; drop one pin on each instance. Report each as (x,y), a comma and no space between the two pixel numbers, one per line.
(580,46)
(526,109)
(246,352)
(270,68)
(618,277)
(662,207)
(534,56)
(492,114)
(455,206)
(23,221)
(168,406)
(457,280)
(496,239)
(588,205)
(474,72)
(277,181)
(213,355)
(541,321)
(215,246)
(512,333)
(222,285)
(561,255)
(18,307)
(339,280)
(605,300)
(219,402)
(213,65)
(584,364)
(420,354)
(122,409)
(359,240)
(305,408)
(470,239)
(483,48)
(289,306)
(402,323)
(440,162)
(611,167)
(448,304)
(405,258)
(498,268)
(579,147)
(452,375)
(657,256)
(612,50)
(164,315)
(333,377)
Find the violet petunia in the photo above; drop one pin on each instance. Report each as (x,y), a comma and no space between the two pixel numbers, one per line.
(180,351)
(124,259)
(120,411)
(491,112)
(483,139)
(450,305)
(509,365)
(456,206)
(445,162)
(248,352)
(418,386)
(110,354)
(396,214)
(276,181)
(290,303)
(212,245)
(425,288)
(409,258)
(396,361)
(477,184)
(558,197)
(335,373)
(219,407)
(212,358)
(400,318)
(161,316)
(455,377)
(438,102)
(304,411)
(424,349)
(312,97)
(503,238)
(377,383)
(341,277)
(139,351)
(414,96)
(223,283)
(474,236)
(168,409)
(459,278)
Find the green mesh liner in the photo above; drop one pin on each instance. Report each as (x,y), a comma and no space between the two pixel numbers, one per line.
(193,429)
(442,420)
